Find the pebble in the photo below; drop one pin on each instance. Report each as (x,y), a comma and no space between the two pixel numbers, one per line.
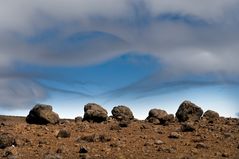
(174,135)
(201,145)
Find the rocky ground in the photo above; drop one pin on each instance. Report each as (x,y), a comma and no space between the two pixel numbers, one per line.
(215,137)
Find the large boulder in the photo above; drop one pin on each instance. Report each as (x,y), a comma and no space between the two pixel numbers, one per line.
(158,116)
(211,115)
(188,111)
(42,114)
(122,113)
(94,113)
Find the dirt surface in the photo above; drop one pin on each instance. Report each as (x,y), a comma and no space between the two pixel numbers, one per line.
(139,139)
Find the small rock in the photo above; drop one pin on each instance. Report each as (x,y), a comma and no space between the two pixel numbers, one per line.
(115,127)
(78,119)
(124,123)
(10,151)
(52,156)
(158,142)
(6,140)
(228,135)
(174,135)
(224,154)
(201,145)
(83,150)
(187,127)
(94,138)
(63,134)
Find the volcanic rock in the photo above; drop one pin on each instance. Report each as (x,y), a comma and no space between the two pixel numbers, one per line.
(211,115)
(6,140)
(94,113)
(122,113)
(158,116)
(188,111)
(42,114)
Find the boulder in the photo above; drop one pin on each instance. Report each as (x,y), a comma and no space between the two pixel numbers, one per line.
(94,113)
(211,115)
(188,111)
(122,113)
(6,140)
(158,116)
(42,114)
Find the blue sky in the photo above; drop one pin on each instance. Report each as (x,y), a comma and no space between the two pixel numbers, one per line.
(143,54)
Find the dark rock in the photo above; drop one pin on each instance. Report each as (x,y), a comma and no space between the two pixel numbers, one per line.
(225,154)
(158,116)
(201,145)
(63,134)
(94,138)
(122,113)
(94,113)
(83,150)
(211,115)
(78,119)
(187,127)
(124,123)
(10,152)
(42,114)
(188,111)
(6,140)
(174,135)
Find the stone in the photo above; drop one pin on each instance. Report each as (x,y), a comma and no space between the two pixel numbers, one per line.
(63,134)
(83,150)
(124,123)
(78,119)
(122,113)
(94,138)
(188,111)
(158,142)
(158,116)
(174,135)
(211,115)
(201,145)
(42,114)
(52,156)
(187,127)
(10,152)
(94,113)
(6,140)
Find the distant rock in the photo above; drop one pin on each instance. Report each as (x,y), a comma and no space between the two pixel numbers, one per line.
(188,111)
(122,113)
(211,115)
(78,119)
(42,114)
(95,113)
(158,116)
(63,134)
(6,140)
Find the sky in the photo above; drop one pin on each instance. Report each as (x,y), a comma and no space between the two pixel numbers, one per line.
(140,53)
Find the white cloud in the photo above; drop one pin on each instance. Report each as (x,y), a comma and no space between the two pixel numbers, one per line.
(134,25)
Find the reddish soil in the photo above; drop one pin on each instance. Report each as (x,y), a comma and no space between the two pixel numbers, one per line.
(138,140)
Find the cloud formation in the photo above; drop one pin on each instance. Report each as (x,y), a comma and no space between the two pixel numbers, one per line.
(187,37)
